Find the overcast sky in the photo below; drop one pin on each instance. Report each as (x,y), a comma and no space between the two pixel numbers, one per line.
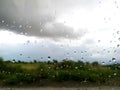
(87,30)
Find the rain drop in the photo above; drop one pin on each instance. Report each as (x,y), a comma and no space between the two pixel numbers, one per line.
(49,58)
(30,26)
(49,67)
(109,76)
(114,59)
(115,74)
(41,30)
(99,40)
(61,46)
(20,26)
(28,41)
(119,39)
(110,61)
(75,52)
(76,67)
(115,51)
(13,61)
(66,36)
(41,70)
(25,33)
(118,45)
(3,21)
(20,54)
(41,57)
(118,32)
(103,63)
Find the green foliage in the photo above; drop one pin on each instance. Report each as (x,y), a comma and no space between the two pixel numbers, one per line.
(66,70)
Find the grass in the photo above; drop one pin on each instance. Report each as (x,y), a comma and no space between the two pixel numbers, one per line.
(27,66)
(55,74)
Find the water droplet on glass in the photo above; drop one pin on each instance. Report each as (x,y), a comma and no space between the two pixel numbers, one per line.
(35,41)
(25,33)
(115,51)
(7,25)
(119,39)
(53,76)
(13,61)
(28,41)
(61,46)
(99,2)
(41,69)
(28,57)
(20,54)
(75,52)
(81,51)
(41,57)
(108,51)
(76,67)
(115,2)
(3,21)
(66,36)
(20,26)
(115,74)
(14,22)
(118,32)
(41,30)
(110,61)
(103,63)
(64,21)
(82,58)
(49,67)
(109,76)
(49,58)
(99,40)
(29,26)
(114,59)
(21,33)
(118,45)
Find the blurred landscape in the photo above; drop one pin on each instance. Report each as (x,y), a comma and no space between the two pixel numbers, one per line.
(66,73)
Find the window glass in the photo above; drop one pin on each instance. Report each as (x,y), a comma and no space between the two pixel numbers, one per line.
(85,33)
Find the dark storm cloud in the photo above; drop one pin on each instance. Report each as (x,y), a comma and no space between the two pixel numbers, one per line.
(31,17)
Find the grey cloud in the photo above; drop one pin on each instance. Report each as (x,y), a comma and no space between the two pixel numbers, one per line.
(32,17)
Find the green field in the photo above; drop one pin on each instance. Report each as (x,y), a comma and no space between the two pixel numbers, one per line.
(54,73)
